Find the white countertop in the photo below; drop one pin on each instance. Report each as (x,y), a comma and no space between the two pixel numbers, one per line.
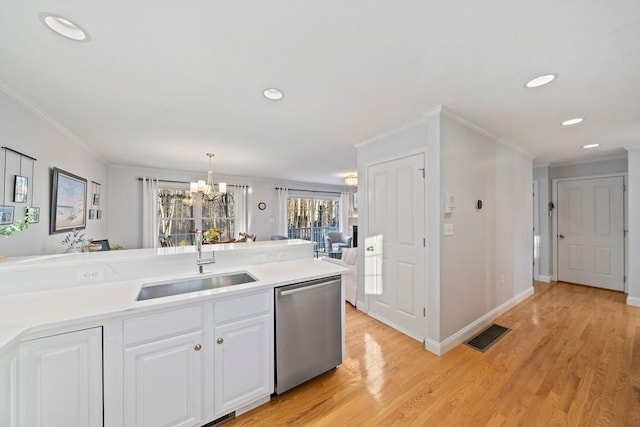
(24,313)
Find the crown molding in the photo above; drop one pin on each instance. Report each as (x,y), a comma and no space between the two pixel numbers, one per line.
(391,132)
(45,117)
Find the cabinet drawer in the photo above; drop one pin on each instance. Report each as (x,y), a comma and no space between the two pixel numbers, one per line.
(161,325)
(243,306)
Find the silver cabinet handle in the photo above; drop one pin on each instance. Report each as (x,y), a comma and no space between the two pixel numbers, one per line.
(561,236)
(198,347)
(370,248)
(219,340)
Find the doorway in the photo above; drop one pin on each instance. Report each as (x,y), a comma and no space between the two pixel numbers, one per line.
(395,252)
(590,232)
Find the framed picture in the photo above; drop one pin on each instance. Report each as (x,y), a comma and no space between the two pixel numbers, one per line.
(6,215)
(356,200)
(21,189)
(92,214)
(99,214)
(68,202)
(36,215)
(96,199)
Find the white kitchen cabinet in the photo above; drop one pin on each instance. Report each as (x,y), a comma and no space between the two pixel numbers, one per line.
(163,381)
(243,351)
(9,388)
(60,380)
(165,369)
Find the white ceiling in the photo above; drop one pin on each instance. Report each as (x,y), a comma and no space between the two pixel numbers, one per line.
(161,83)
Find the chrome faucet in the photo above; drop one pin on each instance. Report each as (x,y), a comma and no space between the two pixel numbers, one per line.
(202,262)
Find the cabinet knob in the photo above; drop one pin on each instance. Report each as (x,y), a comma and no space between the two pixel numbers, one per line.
(219,340)
(198,347)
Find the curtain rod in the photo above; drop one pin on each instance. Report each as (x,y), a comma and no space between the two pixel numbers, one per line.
(19,153)
(182,182)
(309,191)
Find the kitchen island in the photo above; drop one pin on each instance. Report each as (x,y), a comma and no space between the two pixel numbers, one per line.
(72,332)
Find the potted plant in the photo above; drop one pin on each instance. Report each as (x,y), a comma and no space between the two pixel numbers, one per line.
(75,241)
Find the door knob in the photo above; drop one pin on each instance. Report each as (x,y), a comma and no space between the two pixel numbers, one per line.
(197,347)
(219,340)
(561,236)
(370,249)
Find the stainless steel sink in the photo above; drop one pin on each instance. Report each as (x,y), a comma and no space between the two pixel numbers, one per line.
(166,289)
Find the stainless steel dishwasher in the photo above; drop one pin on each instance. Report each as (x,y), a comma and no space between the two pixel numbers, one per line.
(308,330)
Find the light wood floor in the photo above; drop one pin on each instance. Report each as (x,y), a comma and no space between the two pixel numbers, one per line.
(572,358)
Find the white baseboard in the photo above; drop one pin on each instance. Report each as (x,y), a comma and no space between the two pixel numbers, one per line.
(633,301)
(545,279)
(440,348)
(395,326)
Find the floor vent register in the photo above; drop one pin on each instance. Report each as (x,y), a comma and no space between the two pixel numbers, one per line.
(487,338)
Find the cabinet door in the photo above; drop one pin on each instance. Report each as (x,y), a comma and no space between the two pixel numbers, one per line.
(61,380)
(242,363)
(163,382)
(9,388)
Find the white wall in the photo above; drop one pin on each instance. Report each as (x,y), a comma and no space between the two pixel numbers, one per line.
(464,269)
(421,136)
(633,192)
(26,131)
(125,209)
(487,261)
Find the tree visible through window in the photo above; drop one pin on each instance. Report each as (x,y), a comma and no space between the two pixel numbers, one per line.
(310,218)
(180,214)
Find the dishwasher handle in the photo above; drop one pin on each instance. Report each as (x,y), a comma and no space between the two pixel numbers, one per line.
(305,288)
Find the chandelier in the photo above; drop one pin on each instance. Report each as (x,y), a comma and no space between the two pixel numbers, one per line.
(207,187)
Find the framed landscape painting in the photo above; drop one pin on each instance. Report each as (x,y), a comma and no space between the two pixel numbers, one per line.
(68,202)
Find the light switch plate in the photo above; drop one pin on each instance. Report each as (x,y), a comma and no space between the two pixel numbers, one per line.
(448,229)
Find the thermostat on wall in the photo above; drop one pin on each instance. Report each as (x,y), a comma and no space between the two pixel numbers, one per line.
(449,203)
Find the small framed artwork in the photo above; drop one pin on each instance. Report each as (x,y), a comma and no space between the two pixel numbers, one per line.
(96,199)
(36,215)
(99,214)
(6,215)
(68,202)
(21,189)
(92,214)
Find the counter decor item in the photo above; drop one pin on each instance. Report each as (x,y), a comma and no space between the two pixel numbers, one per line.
(75,241)
(212,235)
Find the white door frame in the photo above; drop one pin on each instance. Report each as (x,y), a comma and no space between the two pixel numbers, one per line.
(364,225)
(536,230)
(554,222)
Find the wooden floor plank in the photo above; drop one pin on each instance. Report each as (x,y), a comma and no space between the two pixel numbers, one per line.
(572,358)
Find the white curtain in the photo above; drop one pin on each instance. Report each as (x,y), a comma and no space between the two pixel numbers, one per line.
(344,212)
(281,211)
(241,217)
(149,213)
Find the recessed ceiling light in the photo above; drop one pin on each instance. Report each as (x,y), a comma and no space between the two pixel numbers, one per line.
(572,121)
(273,94)
(591,146)
(64,27)
(541,80)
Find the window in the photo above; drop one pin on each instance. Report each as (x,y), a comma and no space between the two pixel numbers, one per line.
(175,215)
(310,218)
(179,214)
(219,212)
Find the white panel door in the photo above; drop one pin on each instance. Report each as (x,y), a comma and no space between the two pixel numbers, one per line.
(61,380)
(395,261)
(590,232)
(163,382)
